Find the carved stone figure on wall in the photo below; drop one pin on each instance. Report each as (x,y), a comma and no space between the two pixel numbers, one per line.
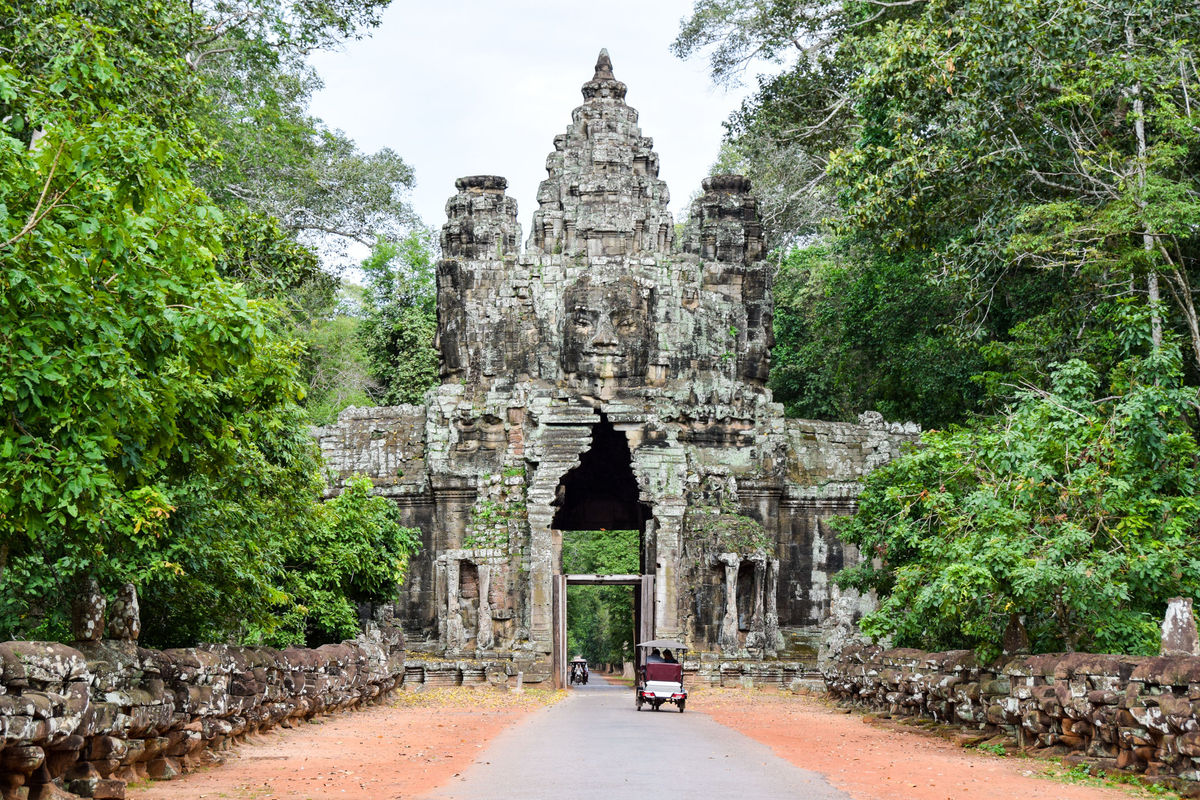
(451,312)
(485,433)
(607,331)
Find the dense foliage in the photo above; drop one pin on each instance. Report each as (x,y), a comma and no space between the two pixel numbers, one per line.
(297,194)
(400,318)
(856,331)
(151,429)
(356,555)
(1026,172)
(600,618)
(988,214)
(1076,510)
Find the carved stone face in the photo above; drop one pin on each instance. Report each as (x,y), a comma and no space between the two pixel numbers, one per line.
(607,331)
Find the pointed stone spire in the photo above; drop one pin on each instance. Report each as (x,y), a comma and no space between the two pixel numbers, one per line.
(603,67)
(603,84)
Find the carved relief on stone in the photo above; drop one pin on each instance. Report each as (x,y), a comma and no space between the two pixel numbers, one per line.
(479,433)
(728,639)
(755,636)
(772,637)
(750,604)
(472,600)
(1179,636)
(450,339)
(87,612)
(484,638)
(607,332)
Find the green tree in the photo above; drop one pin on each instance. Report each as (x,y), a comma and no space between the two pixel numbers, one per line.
(858,330)
(130,365)
(272,158)
(600,618)
(356,555)
(400,318)
(1076,511)
(150,428)
(1051,137)
(1038,159)
(336,366)
(298,194)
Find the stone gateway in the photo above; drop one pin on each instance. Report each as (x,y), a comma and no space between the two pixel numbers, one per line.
(602,378)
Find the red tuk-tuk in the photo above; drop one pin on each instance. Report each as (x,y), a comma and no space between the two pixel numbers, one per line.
(660,674)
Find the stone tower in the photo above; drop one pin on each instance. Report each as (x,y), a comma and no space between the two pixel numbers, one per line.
(603,378)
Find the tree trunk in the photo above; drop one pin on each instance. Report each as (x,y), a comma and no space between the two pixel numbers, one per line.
(1139,128)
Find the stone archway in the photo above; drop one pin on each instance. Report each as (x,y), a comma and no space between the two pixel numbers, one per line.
(643,612)
(601,493)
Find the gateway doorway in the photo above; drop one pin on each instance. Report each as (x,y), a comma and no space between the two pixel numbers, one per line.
(599,531)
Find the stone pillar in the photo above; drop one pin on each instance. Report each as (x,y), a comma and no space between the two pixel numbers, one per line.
(667,533)
(541,560)
(124,615)
(1179,636)
(484,638)
(456,634)
(757,635)
(728,638)
(773,638)
(87,612)
(441,593)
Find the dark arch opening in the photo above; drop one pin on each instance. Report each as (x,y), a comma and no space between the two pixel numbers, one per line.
(602,492)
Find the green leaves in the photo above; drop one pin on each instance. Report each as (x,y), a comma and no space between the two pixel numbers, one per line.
(858,330)
(400,318)
(1077,513)
(600,618)
(357,553)
(149,426)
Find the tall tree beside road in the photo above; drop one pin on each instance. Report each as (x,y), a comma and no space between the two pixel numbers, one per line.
(149,428)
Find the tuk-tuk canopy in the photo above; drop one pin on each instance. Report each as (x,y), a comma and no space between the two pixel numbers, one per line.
(578,660)
(664,644)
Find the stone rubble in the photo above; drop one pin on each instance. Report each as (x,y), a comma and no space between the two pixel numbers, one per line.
(1138,714)
(84,720)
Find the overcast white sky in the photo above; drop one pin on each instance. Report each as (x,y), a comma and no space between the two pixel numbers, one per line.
(475,87)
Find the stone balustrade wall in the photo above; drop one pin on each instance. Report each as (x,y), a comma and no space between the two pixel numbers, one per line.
(1140,714)
(87,719)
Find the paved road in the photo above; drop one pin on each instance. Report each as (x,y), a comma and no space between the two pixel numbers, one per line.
(595,746)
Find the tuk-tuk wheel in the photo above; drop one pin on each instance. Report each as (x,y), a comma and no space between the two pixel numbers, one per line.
(638,700)
(680,704)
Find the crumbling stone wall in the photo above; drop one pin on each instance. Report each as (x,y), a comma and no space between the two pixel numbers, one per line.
(90,718)
(1120,712)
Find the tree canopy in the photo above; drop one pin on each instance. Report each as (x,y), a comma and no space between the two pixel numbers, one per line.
(151,428)
(400,318)
(987,219)
(1075,511)
(1032,169)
